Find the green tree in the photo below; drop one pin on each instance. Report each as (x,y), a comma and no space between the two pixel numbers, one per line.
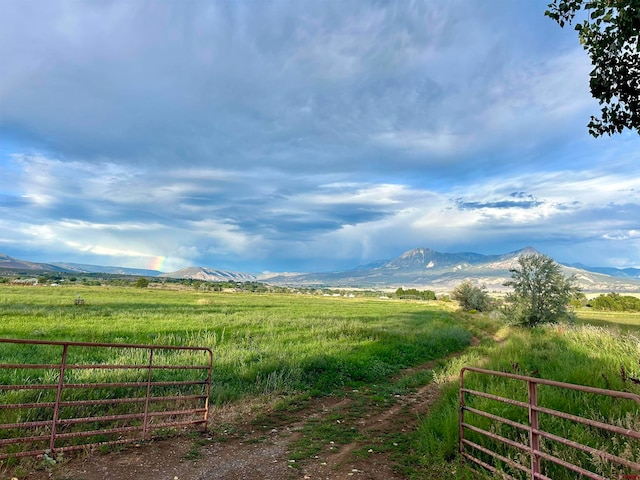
(142,283)
(615,302)
(415,294)
(471,297)
(609,33)
(579,300)
(541,293)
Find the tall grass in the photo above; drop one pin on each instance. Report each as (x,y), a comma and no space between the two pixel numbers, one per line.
(583,354)
(261,343)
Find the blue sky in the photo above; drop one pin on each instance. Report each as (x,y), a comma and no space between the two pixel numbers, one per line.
(303,135)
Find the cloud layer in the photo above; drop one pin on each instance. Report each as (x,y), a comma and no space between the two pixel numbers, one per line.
(303,136)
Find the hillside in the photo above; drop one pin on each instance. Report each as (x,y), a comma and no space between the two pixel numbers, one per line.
(9,263)
(14,265)
(210,275)
(85,268)
(631,273)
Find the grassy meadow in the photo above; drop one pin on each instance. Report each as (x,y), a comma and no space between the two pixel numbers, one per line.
(286,345)
(261,343)
(623,322)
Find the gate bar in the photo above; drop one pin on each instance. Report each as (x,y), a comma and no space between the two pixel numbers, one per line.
(61,386)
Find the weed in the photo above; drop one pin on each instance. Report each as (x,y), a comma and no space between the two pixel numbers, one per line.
(194,452)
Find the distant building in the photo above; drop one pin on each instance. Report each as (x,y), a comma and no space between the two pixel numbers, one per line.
(25,281)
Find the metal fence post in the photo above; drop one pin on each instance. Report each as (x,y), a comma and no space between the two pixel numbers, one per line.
(145,422)
(461,414)
(205,425)
(534,436)
(56,407)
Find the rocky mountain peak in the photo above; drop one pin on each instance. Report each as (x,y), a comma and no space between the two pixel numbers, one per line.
(528,251)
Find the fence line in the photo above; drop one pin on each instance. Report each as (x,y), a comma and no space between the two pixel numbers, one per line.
(534,432)
(47,425)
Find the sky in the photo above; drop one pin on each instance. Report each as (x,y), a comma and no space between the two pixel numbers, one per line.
(303,135)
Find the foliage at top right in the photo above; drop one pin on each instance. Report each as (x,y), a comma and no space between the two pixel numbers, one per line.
(610,35)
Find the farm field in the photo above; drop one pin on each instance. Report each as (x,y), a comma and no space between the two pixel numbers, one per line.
(624,322)
(262,343)
(281,360)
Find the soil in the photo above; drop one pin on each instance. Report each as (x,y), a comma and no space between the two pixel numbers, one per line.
(251,445)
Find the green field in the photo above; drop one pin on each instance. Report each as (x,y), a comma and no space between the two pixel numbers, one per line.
(279,345)
(261,343)
(624,322)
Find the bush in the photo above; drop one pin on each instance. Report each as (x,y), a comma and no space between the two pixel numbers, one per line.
(471,297)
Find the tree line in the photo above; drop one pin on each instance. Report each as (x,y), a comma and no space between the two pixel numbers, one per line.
(615,303)
(412,293)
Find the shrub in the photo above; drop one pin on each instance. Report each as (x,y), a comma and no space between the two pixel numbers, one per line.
(471,297)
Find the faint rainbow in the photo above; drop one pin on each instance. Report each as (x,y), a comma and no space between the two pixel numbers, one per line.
(157,263)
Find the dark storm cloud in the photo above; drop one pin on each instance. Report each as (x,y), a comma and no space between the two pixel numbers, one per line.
(223,83)
(520,200)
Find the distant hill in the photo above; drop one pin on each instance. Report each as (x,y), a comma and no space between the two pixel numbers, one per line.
(8,263)
(12,264)
(84,268)
(631,273)
(210,275)
(420,267)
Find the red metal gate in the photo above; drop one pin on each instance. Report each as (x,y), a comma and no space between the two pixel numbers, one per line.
(469,449)
(68,404)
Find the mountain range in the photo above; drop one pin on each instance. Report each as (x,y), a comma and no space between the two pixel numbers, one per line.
(418,268)
(425,268)
(10,264)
